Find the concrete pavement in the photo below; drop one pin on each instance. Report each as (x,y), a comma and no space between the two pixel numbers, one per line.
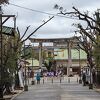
(59,91)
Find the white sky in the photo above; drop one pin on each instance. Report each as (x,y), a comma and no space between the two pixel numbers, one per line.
(57,27)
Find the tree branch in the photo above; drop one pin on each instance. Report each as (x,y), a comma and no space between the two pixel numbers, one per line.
(25,32)
(84,15)
(86,33)
(18,34)
(37,29)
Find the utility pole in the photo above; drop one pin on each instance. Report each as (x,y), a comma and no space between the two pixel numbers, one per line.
(25,85)
(1,55)
(33,82)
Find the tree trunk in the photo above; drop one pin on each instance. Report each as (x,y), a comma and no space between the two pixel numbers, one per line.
(98,77)
(1,91)
(17,85)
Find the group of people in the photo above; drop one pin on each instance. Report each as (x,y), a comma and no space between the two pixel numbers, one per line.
(38,76)
(89,76)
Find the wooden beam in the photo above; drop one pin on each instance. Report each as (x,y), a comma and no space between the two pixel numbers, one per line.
(5,20)
(8,15)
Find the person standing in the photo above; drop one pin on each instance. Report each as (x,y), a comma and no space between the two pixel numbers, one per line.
(38,78)
(84,78)
(32,74)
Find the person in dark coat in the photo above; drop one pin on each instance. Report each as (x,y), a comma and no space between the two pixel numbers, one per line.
(84,79)
(94,76)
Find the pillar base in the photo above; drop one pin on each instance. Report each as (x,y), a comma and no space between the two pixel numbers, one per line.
(33,82)
(26,88)
(90,86)
(68,80)
(1,94)
(80,81)
(2,99)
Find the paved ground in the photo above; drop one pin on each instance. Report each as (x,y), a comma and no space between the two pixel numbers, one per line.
(59,91)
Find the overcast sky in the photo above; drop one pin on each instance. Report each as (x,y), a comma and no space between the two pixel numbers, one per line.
(57,27)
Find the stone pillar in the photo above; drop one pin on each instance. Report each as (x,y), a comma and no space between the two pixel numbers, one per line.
(69,58)
(40,54)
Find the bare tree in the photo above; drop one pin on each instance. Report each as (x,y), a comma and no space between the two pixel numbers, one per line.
(21,39)
(4,2)
(91,30)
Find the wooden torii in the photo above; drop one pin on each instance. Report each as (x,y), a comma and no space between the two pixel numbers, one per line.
(68,43)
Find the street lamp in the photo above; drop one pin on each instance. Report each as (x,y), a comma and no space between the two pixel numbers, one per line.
(32,82)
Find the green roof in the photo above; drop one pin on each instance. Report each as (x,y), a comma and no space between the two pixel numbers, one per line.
(8,30)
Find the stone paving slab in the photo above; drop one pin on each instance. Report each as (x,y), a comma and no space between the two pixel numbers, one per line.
(56,91)
(59,91)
